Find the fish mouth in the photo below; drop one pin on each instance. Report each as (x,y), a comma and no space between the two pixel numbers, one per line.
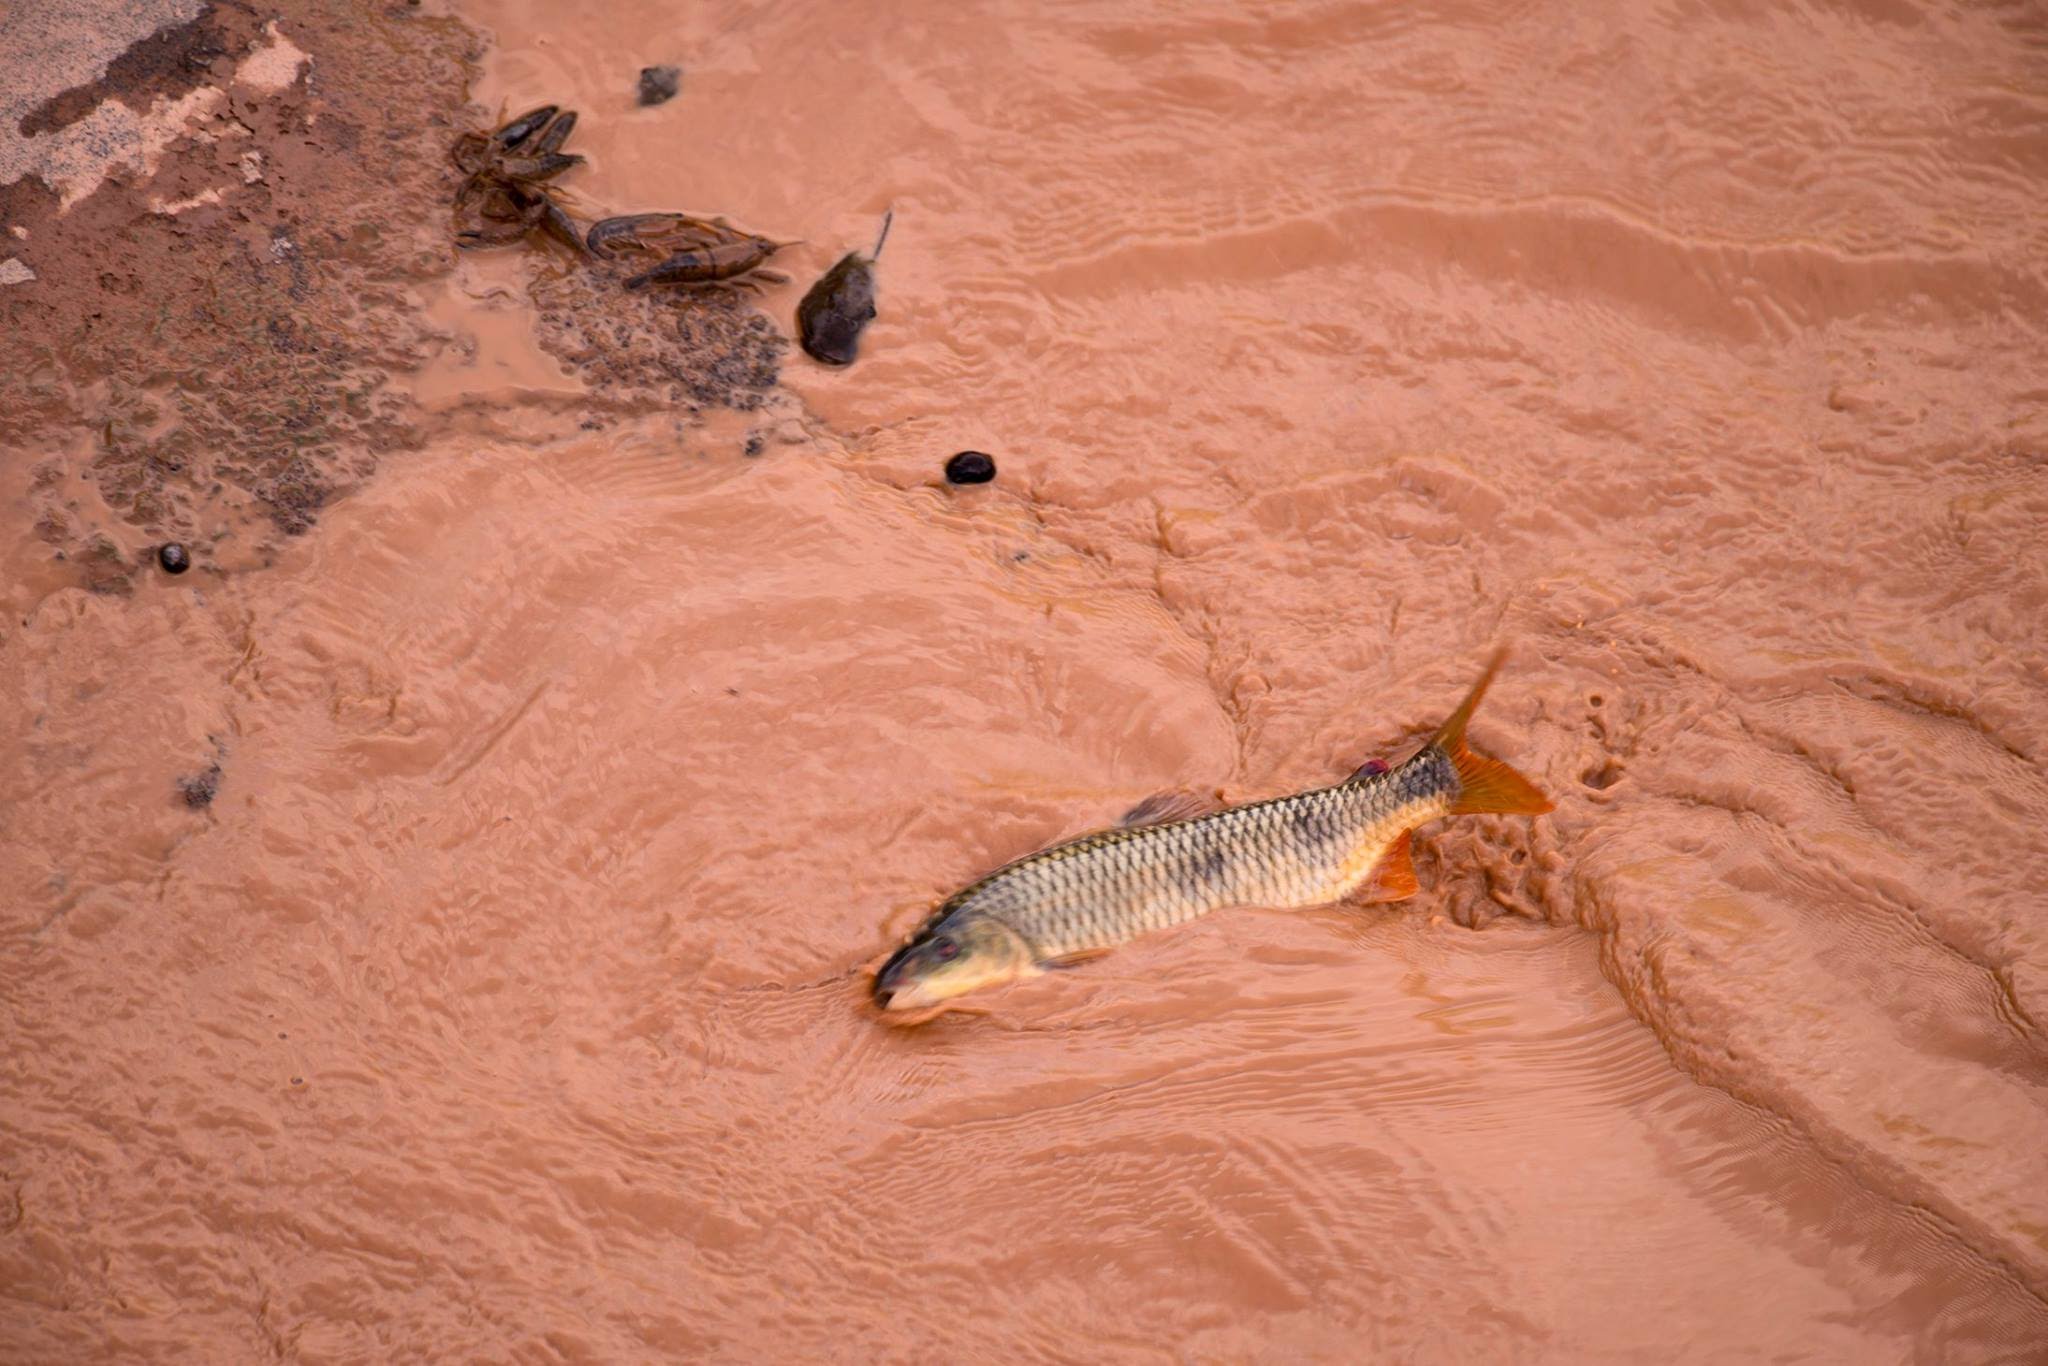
(902,995)
(895,991)
(889,997)
(890,991)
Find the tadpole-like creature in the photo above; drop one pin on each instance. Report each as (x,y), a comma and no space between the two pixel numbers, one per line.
(839,307)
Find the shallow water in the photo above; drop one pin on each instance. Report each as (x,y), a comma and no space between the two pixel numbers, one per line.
(504,1001)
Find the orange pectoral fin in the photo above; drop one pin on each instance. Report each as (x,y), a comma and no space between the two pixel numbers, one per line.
(1075,960)
(1393,877)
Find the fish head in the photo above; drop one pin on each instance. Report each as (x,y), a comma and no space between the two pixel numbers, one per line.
(951,958)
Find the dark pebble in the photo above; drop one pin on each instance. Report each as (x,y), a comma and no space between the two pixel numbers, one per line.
(199,788)
(658,84)
(173,558)
(970,467)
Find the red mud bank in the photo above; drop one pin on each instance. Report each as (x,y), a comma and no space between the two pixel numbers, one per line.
(433,933)
(222,248)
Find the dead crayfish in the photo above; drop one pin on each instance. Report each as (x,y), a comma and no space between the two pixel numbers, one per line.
(506,195)
(689,251)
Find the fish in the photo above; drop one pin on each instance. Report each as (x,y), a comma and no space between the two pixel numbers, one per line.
(836,309)
(1164,865)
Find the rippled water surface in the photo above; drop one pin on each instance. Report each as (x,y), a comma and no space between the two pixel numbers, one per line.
(503,1003)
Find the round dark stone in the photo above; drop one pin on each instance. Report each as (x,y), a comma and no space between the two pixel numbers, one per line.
(658,84)
(970,467)
(173,558)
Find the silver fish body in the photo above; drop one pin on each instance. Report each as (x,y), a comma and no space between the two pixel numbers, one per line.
(1308,849)
(1079,898)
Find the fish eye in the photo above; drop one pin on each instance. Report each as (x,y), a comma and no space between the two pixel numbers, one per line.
(944,949)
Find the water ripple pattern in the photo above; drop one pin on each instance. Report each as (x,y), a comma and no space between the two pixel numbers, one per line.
(505,1002)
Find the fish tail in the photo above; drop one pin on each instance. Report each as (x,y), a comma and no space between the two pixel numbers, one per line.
(1484,784)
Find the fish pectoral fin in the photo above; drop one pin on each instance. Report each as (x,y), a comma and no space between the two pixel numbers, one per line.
(1075,959)
(1161,808)
(1393,877)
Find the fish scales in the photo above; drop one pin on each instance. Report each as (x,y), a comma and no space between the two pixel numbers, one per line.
(1090,894)
(1307,849)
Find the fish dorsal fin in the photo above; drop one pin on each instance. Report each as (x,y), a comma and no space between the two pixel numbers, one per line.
(1371,768)
(1163,807)
(1393,877)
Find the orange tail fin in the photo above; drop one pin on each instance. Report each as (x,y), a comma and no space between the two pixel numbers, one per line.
(1485,784)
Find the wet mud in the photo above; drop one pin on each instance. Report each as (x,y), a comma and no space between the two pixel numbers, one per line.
(442,932)
(637,351)
(225,289)
(202,352)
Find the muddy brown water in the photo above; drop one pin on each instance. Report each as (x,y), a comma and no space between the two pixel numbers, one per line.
(501,1004)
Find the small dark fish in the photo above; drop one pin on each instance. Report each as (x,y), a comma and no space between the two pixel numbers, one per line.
(714,264)
(556,223)
(501,213)
(657,234)
(526,125)
(505,200)
(837,308)
(544,167)
(481,151)
(551,141)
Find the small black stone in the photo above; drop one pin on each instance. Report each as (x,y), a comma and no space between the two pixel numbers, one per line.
(199,788)
(173,558)
(658,84)
(970,467)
